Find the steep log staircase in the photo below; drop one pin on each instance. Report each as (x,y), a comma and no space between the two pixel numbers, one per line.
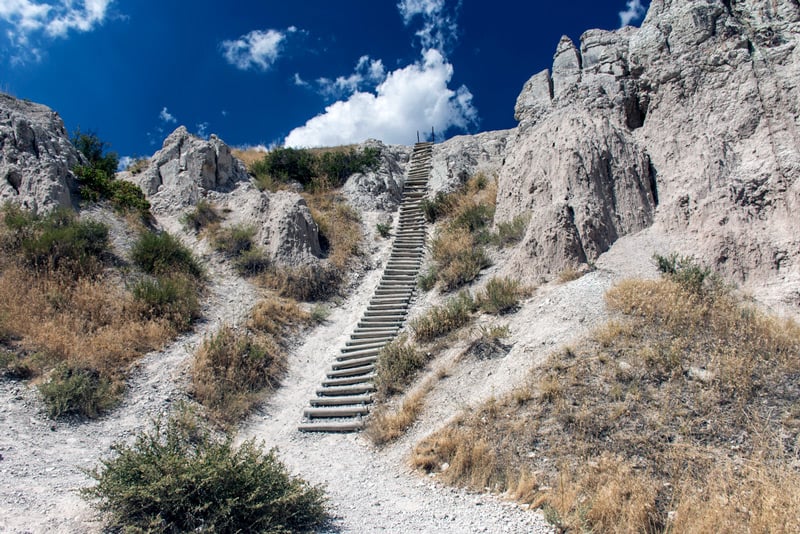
(343,401)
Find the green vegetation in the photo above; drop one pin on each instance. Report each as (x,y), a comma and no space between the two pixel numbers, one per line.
(236,243)
(178,477)
(397,366)
(457,249)
(231,370)
(174,298)
(97,179)
(685,271)
(314,169)
(78,390)
(57,242)
(203,216)
(384,230)
(500,295)
(161,254)
(441,320)
(510,233)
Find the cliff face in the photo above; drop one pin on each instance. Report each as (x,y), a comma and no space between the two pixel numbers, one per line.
(689,122)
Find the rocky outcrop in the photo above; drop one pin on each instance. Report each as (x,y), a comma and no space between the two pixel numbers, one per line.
(36,156)
(689,122)
(186,167)
(282,222)
(460,157)
(381,189)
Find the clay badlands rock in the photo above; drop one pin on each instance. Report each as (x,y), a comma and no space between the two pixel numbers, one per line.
(36,156)
(689,123)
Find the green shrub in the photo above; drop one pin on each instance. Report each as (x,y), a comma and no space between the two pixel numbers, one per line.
(474,217)
(397,365)
(384,230)
(162,254)
(314,170)
(437,207)
(427,281)
(234,240)
(169,297)
(178,477)
(57,241)
(441,320)
(95,151)
(685,271)
(78,390)
(252,262)
(500,295)
(202,216)
(128,196)
(232,368)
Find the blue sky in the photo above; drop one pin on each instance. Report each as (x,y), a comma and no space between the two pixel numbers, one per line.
(304,73)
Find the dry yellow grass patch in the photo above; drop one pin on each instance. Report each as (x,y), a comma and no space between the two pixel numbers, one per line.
(89,321)
(248,155)
(680,415)
(387,424)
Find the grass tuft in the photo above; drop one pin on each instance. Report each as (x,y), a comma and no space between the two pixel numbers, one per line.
(441,320)
(397,366)
(500,295)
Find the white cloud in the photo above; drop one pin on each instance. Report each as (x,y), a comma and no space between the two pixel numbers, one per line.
(257,49)
(300,82)
(124,163)
(53,19)
(635,11)
(202,129)
(439,29)
(367,71)
(166,116)
(409,99)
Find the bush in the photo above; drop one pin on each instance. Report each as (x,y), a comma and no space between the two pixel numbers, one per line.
(232,368)
(95,184)
(202,216)
(439,206)
(307,283)
(234,240)
(278,317)
(179,478)
(173,298)
(78,390)
(441,320)
(57,242)
(397,365)
(162,254)
(252,262)
(427,281)
(384,230)
(458,259)
(500,295)
(320,170)
(95,150)
(685,271)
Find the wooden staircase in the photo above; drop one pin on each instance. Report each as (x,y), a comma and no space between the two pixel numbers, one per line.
(343,400)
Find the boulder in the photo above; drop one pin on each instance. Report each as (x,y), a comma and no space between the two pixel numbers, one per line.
(36,157)
(381,189)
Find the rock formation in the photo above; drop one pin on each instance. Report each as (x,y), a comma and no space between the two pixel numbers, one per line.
(36,156)
(689,122)
(186,166)
(380,189)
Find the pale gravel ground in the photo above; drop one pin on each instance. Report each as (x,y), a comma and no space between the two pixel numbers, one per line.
(370,490)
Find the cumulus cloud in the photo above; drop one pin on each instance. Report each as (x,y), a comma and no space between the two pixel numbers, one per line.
(166,116)
(634,11)
(30,18)
(439,29)
(257,49)
(367,72)
(124,163)
(411,98)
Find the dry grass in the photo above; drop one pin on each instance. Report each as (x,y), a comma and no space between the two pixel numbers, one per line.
(683,414)
(248,155)
(441,320)
(385,424)
(235,369)
(569,274)
(339,227)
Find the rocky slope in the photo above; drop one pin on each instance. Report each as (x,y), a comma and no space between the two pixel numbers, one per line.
(689,123)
